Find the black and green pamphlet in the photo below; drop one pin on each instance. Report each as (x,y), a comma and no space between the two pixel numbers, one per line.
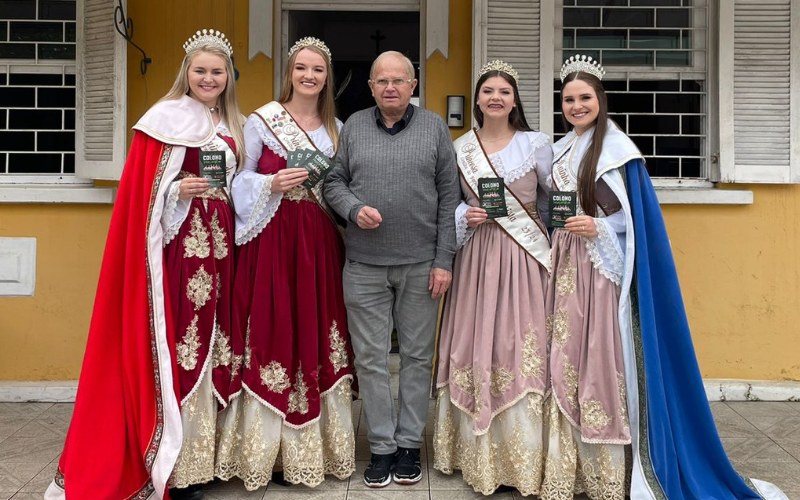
(563,205)
(492,197)
(212,167)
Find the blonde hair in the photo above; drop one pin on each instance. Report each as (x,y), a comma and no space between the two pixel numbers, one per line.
(326,105)
(228,106)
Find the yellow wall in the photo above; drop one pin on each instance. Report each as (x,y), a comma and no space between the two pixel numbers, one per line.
(738,265)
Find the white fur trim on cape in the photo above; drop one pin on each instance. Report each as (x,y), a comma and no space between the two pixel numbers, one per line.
(181,122)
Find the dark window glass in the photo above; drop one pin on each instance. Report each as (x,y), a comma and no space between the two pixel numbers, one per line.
(569,2)
(630,103)
(654,85)
(69,119)
(663,167)
(645,144)
(655,39)
(17,9)
(557,102)
(17,141)
(655,3)
(3,31)
(627,58)
(558,125)
(576,18)
(693,85)
(69,80)
(674,18)
(69,163)
(56,141)
(691,124)
(37,32)
(655,124)
(53,51)
(621,120)
(601,39)
(690,167)
(673,58)
(3,160)
(686,38)
(615,85)
(3,118)
(678,103)
(56,98)
(569,39)
(34,79)
(628,18)
(17,51)
(602,3)
(34,163)
(69,32)
(3,78)
(33,119)
(56,9)
(19,98)
(678,146)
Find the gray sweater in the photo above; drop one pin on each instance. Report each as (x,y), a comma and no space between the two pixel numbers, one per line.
(411,178)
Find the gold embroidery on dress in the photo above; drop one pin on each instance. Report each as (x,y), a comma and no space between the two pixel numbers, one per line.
(258,454)
(220,242)
(274,377)
(248,353)
(499,381)
(195,244)
(602,477)
(229,441)
(532,361)
(222,349)
(186,351)
(565,283)
(571,381)
(236,365)
(302,460)
(562,458)
(623,401)
(444,448)
(195,464)
(198,289)
(338,436)
(219,287)
(594,415)
(534,406)
(298,400)
(462,377)
(297,194)
(338,355)
(560,326)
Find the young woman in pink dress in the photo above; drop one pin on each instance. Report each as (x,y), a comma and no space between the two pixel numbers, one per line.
(288,306)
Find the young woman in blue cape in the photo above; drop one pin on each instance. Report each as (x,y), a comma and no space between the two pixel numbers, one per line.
(617,318)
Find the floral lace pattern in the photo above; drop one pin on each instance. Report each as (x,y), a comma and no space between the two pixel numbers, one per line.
(170,204)
(267,203)
(532,361)
(615,266)
(195,464)
(186,351)
(196,244)
(338,355)
(198,289)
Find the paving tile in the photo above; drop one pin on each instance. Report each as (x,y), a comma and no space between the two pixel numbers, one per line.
(753,411)
(795,405)
(755,450)
(458,495)
(357,480)
(42,480)
(311,494)
(731,424)
(793,449)
(782,430)
(362,448)
(385,494)
(242,494)
(52,428)
(29,411)
(27,496)
(783,475)
(61,411)
(441,481)
(33,450)
(13,476)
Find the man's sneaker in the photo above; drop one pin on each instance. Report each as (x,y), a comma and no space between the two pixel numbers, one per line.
(407,467)
(379,470)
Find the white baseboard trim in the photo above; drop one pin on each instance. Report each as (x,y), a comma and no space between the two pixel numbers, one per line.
(716,390)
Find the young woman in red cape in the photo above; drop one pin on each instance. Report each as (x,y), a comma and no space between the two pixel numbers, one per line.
(161,359)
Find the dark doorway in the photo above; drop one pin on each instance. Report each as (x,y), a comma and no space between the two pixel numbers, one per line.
(355,38)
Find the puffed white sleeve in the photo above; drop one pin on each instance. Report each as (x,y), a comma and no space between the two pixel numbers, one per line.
(175,211)
(253,200)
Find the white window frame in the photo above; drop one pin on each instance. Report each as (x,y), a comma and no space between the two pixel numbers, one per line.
(80,187)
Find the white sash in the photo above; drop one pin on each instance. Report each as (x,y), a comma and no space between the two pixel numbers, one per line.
(523,229)
(292,137)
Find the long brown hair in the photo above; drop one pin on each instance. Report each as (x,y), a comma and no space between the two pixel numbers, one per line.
(228,106)
(517,116)
(326,105)
(588,168)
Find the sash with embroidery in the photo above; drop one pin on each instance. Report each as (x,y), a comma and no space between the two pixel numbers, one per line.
(292,137)
(473,163)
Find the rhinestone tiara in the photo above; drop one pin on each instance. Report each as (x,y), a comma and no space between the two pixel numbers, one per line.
(582,63)
(498,65)
(208,37)
(310,41)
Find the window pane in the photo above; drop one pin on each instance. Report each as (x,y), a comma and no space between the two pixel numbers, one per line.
(37,32)
(630,103)
(69,34)
(56,141)
(582,17)
(57,9)
(603,2)
(628,18)
(678,103)
(17,51)
(56,98)
(31,119)
(34,163)
(674,18)
(3,31)
(18,9)
(655,124)
(569,39)
(655,3)
(53,51)
(673,58)
(69,119)
(655,85)
(615,85)
(655,39)
(678,146)
(17,141)
(602,39)
(663,167)
(627,58)
(19,98)
(34,79)
(3,116)
(644,143)
(621,120)
(691,124)
(690,167)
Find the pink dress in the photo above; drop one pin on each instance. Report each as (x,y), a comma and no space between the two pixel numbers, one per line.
(492,371)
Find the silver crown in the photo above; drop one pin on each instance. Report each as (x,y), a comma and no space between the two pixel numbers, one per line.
(498,65)
(310,41)
(208,37)
(582,63)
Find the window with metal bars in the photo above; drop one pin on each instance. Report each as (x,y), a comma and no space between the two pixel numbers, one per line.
(654,53)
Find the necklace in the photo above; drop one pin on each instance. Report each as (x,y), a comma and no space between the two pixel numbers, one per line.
(213,109)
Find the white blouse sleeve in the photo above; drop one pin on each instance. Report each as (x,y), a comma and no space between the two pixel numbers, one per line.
(253,200)
(610,243)
(175,212)
(463,232)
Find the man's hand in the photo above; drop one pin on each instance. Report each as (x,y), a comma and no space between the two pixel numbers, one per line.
(369,218)
(439,281)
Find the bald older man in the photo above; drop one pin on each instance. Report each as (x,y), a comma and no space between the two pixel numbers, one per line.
(395,180)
